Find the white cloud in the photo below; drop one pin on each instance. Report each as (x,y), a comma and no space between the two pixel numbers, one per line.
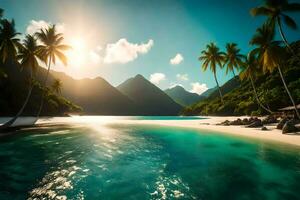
(177,59)
(123,51)
(34,26)
(95,57)
(198,87)
(156,78)
(182,77)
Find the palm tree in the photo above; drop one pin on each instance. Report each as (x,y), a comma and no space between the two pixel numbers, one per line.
(271,55)
(28,57)
(212,57)
(2,73)
(51,50)
(1,13)
(56,86)
(250,68)
(275,11)
(9,43)
(233,58)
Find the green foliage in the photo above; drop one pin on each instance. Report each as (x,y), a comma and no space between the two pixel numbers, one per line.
(241,99)
(14,89)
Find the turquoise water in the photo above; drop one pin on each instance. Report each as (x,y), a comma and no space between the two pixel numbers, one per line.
(94,161)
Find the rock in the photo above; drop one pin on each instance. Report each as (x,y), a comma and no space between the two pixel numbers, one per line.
(256,123)
(289,127)
(225,123)
(245,121)
(264,128)
(281,123)
(236,122)
(269,120)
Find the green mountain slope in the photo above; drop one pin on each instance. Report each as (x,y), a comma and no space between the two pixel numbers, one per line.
(225,88)
(208,92)
(241,100)
(14,90)
(149,99)
(183,97)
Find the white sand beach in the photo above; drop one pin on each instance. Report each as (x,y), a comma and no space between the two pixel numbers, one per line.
(271,134)
(209,124)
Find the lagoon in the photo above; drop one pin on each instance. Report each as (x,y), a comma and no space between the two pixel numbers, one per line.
(89,158)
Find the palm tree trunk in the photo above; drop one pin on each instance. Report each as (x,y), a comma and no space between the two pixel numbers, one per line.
(44,84)
(10,122)
(220,93)
(256,96)
(284,38)
(288,91)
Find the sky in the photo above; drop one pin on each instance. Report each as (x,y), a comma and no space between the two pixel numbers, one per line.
(159,39)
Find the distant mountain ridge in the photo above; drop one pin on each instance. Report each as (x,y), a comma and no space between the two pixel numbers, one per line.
(150,99)
(183,97)
(226,87)
(208,92)
(95,96)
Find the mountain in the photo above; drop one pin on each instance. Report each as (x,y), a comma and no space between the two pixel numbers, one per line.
(226,87)
(14,89)
(95,96)
(208,92)
(150,100)
(181,96)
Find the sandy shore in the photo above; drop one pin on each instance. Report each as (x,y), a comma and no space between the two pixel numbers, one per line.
(209,124)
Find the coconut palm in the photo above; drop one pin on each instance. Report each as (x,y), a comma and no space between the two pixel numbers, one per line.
(9,43)
(2,73)
(1,13)
(213,57)
(51,50)
(28,57)
(276,10)
(271,55)
(232,58)
(249,69)
(56,86)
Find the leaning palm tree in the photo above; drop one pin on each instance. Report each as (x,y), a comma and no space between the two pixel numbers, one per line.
(28,57)
(249,69)
(56,86)
(271,55)
(9,41)
(232,58)
(212,57)
(51,50)
(275,11)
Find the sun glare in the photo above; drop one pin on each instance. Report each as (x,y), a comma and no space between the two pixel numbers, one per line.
(76,55)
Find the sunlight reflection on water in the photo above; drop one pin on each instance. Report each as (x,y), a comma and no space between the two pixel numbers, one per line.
(97,158)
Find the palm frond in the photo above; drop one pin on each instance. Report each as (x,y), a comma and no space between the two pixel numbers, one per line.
(260,11)
(289,21)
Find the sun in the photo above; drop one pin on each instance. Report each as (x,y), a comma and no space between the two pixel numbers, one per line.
(76,55)
(77,44)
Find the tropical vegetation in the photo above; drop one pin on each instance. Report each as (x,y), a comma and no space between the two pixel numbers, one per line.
(266,57)
(212,57)
(20,84)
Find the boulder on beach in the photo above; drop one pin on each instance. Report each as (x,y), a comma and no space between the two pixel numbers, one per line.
(264,128)
(256,123)
(236,122)
(281,123)
(289,127)
(270,120)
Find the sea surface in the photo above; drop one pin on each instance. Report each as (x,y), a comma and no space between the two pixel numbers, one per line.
(96,158)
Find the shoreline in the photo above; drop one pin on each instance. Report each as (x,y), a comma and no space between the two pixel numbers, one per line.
(209,124)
